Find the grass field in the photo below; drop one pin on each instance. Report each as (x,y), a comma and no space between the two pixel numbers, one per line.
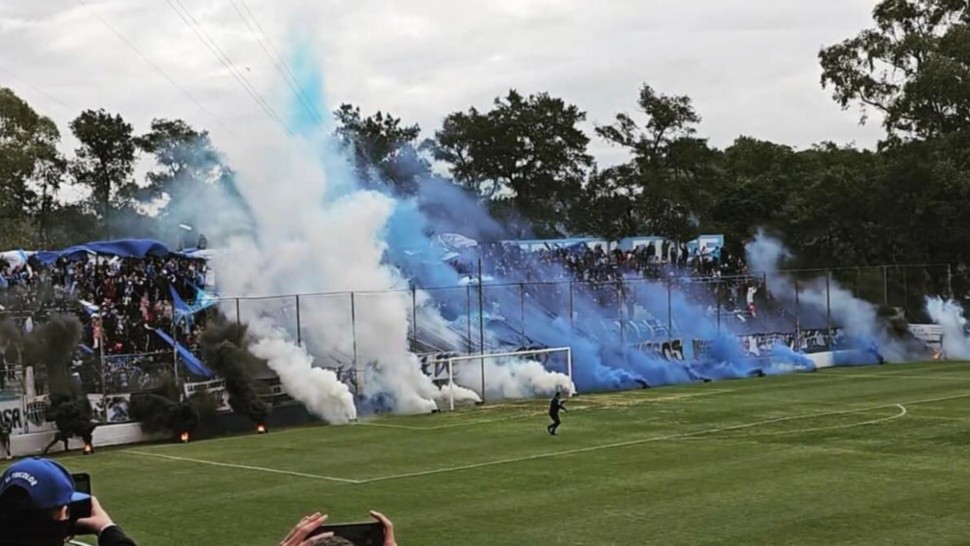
(848,456)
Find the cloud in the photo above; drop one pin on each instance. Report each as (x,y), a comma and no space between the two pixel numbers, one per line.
(750,65)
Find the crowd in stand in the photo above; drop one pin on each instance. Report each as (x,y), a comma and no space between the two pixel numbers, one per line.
(120,303)
(611,277)
(124,300)
(594,264)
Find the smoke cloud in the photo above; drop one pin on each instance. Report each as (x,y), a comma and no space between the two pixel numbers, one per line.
(51,347)
(865,335)
(949,315)
(160,414)
(225,347)
(316,388)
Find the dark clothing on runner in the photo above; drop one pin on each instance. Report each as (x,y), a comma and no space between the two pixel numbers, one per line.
(554,406)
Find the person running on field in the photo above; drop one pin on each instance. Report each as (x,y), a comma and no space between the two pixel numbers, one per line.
(555,405)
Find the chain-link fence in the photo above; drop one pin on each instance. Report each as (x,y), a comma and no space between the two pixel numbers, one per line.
(351,329)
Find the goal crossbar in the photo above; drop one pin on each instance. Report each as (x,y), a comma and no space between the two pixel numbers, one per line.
(461,358)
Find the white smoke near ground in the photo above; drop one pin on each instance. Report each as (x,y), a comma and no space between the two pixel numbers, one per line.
(461,394)
(511,378)
(315,236)
(858,318)
(949,315)
(316,388)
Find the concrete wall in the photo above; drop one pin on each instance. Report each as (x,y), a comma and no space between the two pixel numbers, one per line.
(105,435)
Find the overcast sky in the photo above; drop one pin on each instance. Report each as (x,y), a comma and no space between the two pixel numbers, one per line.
(750,65)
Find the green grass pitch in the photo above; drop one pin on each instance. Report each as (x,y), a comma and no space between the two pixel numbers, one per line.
(845,456)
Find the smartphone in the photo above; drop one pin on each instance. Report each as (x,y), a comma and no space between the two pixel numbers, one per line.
(82,483)
(369,533)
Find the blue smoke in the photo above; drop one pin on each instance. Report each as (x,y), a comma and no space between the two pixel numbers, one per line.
(621,337)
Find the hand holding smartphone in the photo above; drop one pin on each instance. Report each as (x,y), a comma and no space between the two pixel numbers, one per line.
(370,533)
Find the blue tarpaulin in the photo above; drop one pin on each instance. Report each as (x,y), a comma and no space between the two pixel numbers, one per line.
(123,248)
(191,362)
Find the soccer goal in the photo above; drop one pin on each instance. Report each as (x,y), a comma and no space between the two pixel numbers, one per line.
(526,373)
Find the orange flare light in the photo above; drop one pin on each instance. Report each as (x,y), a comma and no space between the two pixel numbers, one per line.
(260,429)
(184,437)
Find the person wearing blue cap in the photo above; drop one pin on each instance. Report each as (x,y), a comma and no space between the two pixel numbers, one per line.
(40,506)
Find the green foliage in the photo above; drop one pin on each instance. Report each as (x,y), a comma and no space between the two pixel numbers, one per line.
(104,162)
(913,67)
(526,158)
(383,150)
(31,168)
(662,184)
(527,154)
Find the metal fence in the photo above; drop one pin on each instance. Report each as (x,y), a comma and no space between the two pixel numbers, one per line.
(469,318)
(476,318)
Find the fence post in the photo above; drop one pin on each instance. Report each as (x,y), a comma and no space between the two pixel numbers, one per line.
(905,291)
(885,285)
(798,317)
(468,318)
(104,379)
(238,318)
(481,322)
(414,317)
(175,351)
(717,291)
(571,304)
(670,310)
(353,330)
(522,307)
(828,307)
(949,282)
(299,336)
(622,319)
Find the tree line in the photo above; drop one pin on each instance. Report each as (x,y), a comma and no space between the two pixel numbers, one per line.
(526,158)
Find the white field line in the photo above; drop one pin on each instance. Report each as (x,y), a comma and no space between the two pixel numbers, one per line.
(242,467)
(902,376)
(650,439)
(548,455)
(902,413)
(578,406)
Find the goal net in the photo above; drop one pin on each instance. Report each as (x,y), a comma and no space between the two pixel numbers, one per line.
(522,374)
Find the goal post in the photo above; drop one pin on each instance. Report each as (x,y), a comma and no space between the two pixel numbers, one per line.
(526,354)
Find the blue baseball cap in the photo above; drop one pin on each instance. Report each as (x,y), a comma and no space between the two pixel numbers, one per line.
(48,484)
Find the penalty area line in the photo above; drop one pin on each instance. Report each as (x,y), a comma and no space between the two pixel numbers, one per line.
(243,467)
(650,439)
(902,413)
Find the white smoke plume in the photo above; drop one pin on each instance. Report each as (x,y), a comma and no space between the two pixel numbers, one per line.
(511,378)
(949,315)
(316,388)
(317,232)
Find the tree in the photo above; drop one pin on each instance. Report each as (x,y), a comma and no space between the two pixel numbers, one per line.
(104,161)
(526,154)
(31,168)
(913,67)
(669,166)
(383,149)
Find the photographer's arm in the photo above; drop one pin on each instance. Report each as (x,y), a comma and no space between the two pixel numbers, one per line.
(100,524)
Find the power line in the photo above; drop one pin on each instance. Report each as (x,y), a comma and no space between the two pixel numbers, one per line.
(279,61)
(152,64)
(52,98)
(226,62)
